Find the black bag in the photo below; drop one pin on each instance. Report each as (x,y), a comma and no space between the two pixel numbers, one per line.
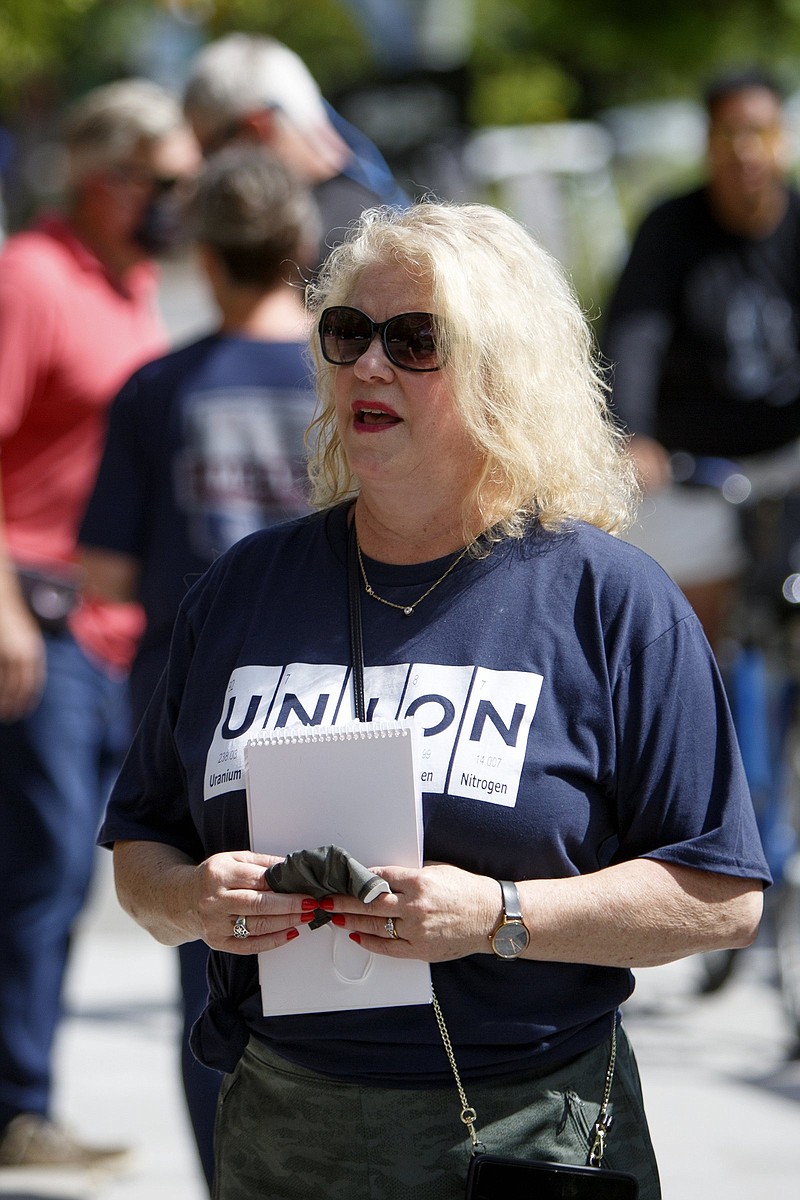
(50,595)
(492,1177)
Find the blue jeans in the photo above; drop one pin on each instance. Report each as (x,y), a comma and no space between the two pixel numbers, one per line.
(200,1084)
(56,768)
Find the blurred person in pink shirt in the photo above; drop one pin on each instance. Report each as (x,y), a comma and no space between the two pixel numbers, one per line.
(77,315)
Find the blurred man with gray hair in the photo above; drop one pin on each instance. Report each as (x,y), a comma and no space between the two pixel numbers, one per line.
(246,87)
(77,315)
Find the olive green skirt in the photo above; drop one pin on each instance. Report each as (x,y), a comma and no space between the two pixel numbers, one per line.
(286,1133)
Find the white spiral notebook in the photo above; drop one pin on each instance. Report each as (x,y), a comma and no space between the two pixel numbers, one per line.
(355,786)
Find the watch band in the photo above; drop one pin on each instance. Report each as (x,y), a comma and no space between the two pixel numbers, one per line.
(510,936)
(512,909)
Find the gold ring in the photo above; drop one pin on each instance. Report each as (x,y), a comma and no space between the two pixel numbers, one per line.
(390,929)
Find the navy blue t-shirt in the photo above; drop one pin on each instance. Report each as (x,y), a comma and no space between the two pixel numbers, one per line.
(204,446)
(572,717)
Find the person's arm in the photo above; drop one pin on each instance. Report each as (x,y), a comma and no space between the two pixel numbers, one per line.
(177,900)
(109,575)
(640,913)
(164,879)
(112,537)
(28,334)
(682,806)
(637,332)
(635,914)
(653,462)
(635,345)
(22,653)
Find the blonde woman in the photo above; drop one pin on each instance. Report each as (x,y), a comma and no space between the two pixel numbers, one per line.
(584,805)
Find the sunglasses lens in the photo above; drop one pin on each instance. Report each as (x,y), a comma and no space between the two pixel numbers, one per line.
(345,333)
(409,338)
(411,343)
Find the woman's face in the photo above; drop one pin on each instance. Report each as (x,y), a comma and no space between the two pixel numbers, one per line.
(401,428)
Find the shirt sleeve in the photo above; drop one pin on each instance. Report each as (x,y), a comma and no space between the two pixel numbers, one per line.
(639,327)
(681,788)
(115,516)
(149,801)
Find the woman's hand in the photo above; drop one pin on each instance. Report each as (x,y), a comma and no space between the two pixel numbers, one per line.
(22,660)
(178,900)
(438,913)
(652,463)
(233,885)
(633,914)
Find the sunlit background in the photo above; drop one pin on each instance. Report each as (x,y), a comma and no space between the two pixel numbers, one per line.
(573,115)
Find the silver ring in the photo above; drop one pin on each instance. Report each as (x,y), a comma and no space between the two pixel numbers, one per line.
(390,929)
(240,929)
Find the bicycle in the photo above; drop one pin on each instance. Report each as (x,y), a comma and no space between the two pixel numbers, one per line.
(762,678)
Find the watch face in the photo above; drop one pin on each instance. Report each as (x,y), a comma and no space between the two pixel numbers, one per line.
(511,939)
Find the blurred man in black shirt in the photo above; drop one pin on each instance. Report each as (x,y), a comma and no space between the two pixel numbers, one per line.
(702,335)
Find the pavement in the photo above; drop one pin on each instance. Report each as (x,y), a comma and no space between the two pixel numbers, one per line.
(117,1068)
(722,1092)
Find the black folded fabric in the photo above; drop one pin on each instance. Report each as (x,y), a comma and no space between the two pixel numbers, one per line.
(326,871)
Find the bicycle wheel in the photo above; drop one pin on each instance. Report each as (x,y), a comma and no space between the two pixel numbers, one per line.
(715,968)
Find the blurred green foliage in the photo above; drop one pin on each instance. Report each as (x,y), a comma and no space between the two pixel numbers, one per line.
(75,44)
(527,61)
(619,51)
(37,37)
(322,32)
(530,60)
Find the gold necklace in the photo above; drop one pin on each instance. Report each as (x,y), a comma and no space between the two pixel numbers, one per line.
(406,609)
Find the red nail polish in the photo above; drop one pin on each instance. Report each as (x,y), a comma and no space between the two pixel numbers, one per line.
(326,902)
(355,937)
(337,919)
(292,934)
(306,917)
(308,904)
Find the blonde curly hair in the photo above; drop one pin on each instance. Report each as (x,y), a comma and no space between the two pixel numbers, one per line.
(519,357)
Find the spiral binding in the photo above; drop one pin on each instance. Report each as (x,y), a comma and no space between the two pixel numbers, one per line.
(354,731)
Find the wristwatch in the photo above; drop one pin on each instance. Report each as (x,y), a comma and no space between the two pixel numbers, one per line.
(510,936)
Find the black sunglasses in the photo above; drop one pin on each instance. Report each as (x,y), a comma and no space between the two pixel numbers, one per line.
(408,339)
(141,177)
(229,132)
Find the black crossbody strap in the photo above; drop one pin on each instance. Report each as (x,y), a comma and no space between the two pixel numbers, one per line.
(356,640)
(468,1114)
